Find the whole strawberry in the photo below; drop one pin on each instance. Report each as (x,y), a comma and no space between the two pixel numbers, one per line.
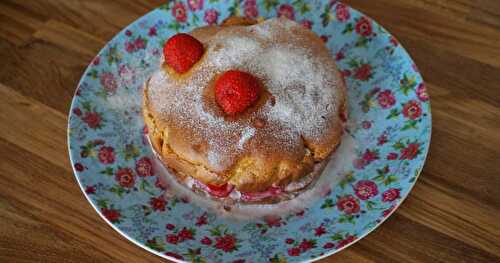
(182,51)
(235,91)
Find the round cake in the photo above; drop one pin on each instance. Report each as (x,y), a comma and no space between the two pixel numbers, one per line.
(246,111)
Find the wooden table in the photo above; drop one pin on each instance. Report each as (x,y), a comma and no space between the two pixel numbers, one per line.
(452,214)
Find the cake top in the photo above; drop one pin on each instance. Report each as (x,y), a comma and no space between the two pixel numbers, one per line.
(303,94)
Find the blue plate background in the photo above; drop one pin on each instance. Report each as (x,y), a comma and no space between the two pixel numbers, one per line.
(389,116)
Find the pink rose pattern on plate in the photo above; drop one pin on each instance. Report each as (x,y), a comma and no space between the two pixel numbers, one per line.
(388,106)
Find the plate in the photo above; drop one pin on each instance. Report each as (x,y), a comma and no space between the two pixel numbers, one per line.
(389,121)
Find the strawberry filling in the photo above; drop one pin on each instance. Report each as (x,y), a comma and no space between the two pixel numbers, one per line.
(219,191)
(343,116)
(222,191)
(257,196)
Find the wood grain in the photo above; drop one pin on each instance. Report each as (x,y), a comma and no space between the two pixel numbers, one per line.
(452,214)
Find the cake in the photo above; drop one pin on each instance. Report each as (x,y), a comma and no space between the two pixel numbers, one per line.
(246,112)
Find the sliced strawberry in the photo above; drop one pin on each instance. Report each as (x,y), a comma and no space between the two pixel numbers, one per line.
(219,191)
(343,116)
(258,196)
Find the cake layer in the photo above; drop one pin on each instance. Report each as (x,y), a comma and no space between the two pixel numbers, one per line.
(295,124)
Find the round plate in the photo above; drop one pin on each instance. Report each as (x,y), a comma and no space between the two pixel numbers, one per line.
(389,119)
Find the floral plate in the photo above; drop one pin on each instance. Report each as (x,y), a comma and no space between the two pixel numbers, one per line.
(389,115)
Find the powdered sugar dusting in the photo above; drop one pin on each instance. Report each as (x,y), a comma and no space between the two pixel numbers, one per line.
(231,51)
(263,30)
(247,134)
(214,158)
(300,90)
(301,82)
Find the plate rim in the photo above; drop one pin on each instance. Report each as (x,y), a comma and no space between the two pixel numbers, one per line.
(326,254)
(75,173)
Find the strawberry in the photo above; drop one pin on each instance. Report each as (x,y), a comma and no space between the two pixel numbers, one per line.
(182,51)
(235,91)
(220,191)
(258,196)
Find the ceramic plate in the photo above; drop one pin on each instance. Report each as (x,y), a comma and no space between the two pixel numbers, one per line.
(389,120)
